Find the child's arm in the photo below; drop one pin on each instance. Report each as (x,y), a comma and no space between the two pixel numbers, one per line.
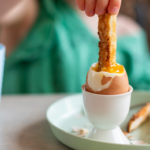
(99,7)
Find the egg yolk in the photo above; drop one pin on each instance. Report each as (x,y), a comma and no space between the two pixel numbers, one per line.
(111,69)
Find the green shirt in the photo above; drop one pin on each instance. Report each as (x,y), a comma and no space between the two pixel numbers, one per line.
(59,50)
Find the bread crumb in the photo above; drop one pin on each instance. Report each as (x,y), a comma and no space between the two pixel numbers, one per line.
(125,133)
(131,137)
(82,132)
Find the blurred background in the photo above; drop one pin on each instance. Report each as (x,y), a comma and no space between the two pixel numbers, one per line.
(139,10)
(51,45)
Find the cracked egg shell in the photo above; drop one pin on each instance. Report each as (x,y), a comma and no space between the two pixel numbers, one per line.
(107,83)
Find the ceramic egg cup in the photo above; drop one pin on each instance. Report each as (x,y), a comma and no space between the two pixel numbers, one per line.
(106,113)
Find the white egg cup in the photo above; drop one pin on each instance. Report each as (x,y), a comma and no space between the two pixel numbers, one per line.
(106,113)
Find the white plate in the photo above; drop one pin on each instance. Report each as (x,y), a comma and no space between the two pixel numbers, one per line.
(68,112)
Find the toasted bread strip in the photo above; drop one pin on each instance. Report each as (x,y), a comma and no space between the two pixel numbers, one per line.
(139,118)
(107,44)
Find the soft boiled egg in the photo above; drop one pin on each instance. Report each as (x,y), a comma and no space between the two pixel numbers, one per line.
(107,82)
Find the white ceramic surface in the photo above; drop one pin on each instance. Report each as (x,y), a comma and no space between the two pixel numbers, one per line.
(2,60)
(106,113)
(68,112)
(113,136)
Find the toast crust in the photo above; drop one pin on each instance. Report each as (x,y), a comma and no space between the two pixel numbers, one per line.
(107,44)
(139,118)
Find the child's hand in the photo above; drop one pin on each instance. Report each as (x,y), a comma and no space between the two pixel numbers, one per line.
(99,7)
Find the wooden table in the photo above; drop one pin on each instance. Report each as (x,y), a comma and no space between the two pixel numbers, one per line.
(23,124)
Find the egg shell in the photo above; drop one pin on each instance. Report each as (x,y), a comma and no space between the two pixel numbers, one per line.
(119,85)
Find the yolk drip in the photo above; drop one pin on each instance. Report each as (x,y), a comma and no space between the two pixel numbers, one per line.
(111,69)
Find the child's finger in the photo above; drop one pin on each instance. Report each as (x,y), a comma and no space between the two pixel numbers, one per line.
(101,6)
(90,7)
(114,6)
(81,4)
